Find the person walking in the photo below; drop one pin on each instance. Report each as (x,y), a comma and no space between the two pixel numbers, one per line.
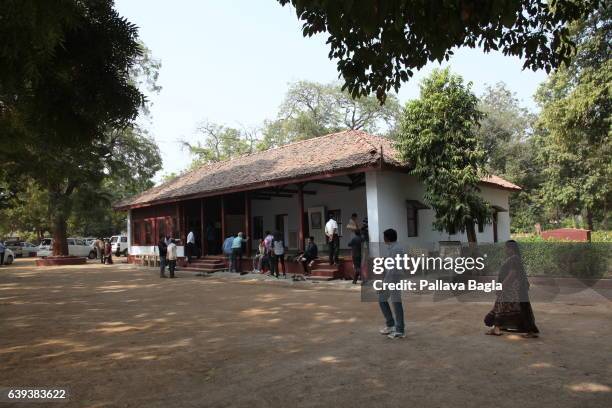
(394,321)
(237,253)
(171,256)
(278,255)
(512,309)
(2,251)
(333,239)
(356,246)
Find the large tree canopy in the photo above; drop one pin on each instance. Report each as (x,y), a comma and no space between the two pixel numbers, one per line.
(506,134)
(68,100)
(64,73)
(437,136)
(311,109)
(379,44)
(575,124)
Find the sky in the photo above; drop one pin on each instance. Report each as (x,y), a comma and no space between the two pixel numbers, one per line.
(229,62)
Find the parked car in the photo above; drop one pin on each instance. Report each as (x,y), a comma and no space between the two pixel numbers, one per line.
(119,245)
(9,256)
(28,249)
(76,247)
(45,245)
(90,240)
(14,246)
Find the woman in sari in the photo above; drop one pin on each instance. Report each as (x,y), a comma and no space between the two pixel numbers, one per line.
(512,310)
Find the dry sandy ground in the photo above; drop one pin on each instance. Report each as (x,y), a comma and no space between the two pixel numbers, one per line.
(119,336)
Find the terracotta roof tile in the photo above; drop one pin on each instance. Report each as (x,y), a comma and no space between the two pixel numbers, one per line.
(334,152)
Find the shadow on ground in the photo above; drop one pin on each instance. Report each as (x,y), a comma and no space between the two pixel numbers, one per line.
(120,336)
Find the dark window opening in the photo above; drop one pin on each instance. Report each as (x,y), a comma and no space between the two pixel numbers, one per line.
(137,233)
(412,218)
(480,226)
(258,227)
(148,232)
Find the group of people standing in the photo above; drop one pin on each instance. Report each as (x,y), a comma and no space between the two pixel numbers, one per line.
(234,248)
(357,242)
(270,253)
(167,256)
(104,250)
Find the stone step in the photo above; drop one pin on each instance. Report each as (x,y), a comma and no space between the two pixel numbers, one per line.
(319,278)
(209,262)
(327,269)
(323,273)
(325,261)
(201,269)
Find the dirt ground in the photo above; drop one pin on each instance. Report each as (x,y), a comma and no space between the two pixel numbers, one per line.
(119,336)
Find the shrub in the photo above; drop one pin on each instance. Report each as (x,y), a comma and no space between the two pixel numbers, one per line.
(555,258)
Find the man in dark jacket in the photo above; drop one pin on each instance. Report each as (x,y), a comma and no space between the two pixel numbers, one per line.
(310,254)
(163,251)
(356,244)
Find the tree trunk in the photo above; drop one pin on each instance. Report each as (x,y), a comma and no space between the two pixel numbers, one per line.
(60,207)
(589,217)
(60,242)
(470,229)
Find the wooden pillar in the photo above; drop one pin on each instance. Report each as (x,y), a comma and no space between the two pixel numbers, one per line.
(247,222)
(180,211)
(300,196)
(202,237)
(223,219)
(178,221)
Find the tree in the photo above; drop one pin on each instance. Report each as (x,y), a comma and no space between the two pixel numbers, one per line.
(506,134)
(575,124)
(67,101)
(437,137)
(378,44)
(312,109)
(220,143)
(504,125)
(26,213)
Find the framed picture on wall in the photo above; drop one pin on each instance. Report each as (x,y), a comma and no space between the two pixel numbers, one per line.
(315,220)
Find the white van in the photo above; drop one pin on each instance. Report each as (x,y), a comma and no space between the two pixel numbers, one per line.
(76,247)
(119,245)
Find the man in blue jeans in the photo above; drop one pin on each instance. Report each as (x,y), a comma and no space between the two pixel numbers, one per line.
(394,325)
(236,255)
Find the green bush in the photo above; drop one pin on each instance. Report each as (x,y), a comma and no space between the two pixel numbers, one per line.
(596,236)
(555,259)
(601,236)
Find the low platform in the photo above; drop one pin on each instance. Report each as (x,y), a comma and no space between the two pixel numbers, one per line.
(61,260)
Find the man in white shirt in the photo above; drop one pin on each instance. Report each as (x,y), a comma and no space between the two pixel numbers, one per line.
(333,240)
(171,257)
(190,245)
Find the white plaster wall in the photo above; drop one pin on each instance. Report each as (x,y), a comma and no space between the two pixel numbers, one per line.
(387,193)
(129,230)
(152,250)
(331,197)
